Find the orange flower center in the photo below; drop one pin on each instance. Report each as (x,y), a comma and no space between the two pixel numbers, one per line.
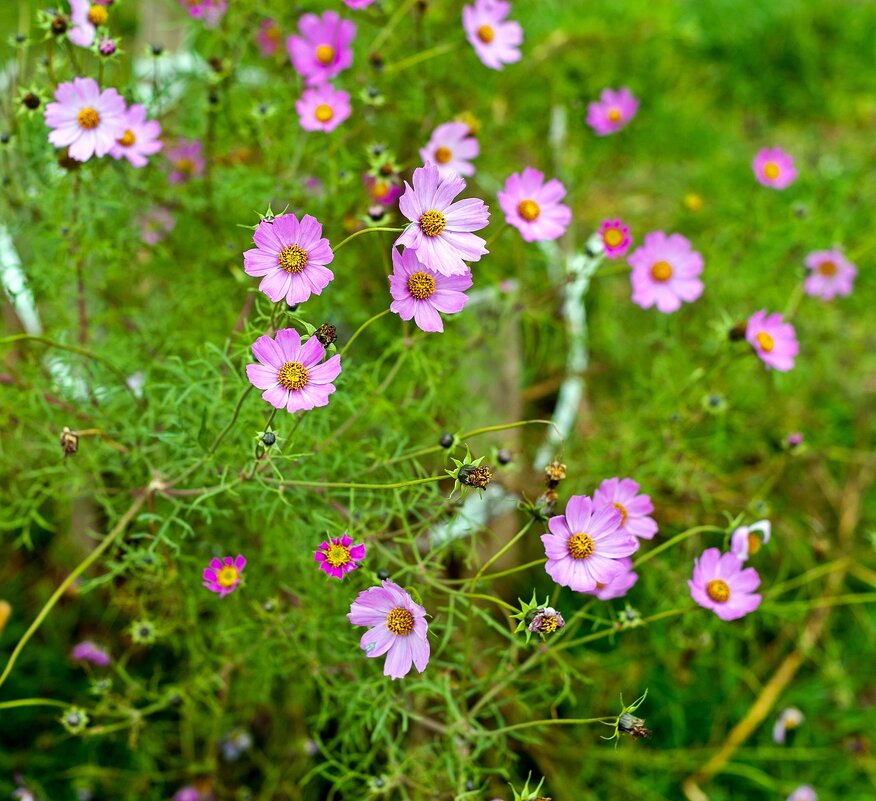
(766,342)
(771,170)
(753,544)
(293,259)
(443,155)
(88,118)
(337,555)
(529,210)
(613,237)
(293,375)
(614,115)
(661,271)
(581,546)
(623,512)
(400,622)
(128,138)
(828,268)
(324,112)
(97,15)
(228,576)
(421,285)
(486,34)
(325,54)
(185,166)
(718,591)
(433,222)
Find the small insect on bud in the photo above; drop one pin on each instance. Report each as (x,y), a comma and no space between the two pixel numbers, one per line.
(504,456)
(554,473)
(31,100)
(630,724)
(737,333)
(69,442)
(326,334)
(446,440)
(477,477)
(20,38)
(59,25)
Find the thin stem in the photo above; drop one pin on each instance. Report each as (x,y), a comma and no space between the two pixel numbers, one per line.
(364,231)
(347,485)
(492,598)
(510,544)
(33,702)
(548,722)
(674,541)
(496,235)
(361,328)
(425,55)
(500,574)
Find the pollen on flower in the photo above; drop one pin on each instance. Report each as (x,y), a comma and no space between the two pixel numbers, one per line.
(293,259)
(228,576)
(293,375)
(486,34)
(88,118)
(443,155)
(661,271)
(718,591)
(433,222)
(828,268)
(548,624)
(97,15)
(623,511)
(324,112)
(771,170)
(325,54)
(766,342)
(421,285)
(613,237)
(128,138)
(400,622)
(337,555)
(529,210)
(615,115)
(581,546)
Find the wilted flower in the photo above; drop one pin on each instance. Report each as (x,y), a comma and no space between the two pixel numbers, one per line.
(451,149)
(85,120)
(87,651)
(224,575)
(533,207)
(322,108)
(616,239)
(495,39)
(323,48)
(69,441)
(773,340)
(623,494)
(546,620)
(743,541)
(612,111)
(140,138)
(187,161)
(338,556)
(665,272)
(774,168)
(831,274)
(719,583)
(630,724)
(326,334)
(788,720)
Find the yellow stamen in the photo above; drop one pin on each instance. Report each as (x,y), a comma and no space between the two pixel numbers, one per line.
(613,237)
(623,510)
(88,118)
(421,285)
(528,209)
(293,375)
(325,54)
(581,546)
(227,576)
(400,622)
(128,138)
(97,15)
(661,271)
(486,34)
(828,268)
(432,222)
(337,555)
(771,170)
(443,155)
(766,342)
(324,112)
(614,115)
(293,259)
(718,591)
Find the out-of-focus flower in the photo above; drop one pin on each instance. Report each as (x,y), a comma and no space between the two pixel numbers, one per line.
(323,48)
(269,37)
(187,160)
(613,110)
(210,12)
(451,149)
(744,542)
(830,274)
(224,575)
(788,720)
(720,584)
(156,224)
(86,18)
(774,167)
(140,138)
(616,239)
(85,120)
(385,191)
(495,39)
(804,792)
(87,651)
(323,108)
(666,271)
(773,340)
(235,744)
(533,207)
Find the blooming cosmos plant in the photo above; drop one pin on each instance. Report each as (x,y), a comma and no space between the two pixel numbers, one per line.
(533,207)
(773,340)
(585,546)
(140,139)
(397,628)
(85,16)
(616,239)
(442,230)
(613,110)
(323,48)
(830,274)
(84,119)
(719,583)
(420,293)
(291,256)
(451,149)
(774,167)
(291,374)
(223,575)
(666,271)
(744,542)
(623,495)
(495,39)
(323,108)
(337,556)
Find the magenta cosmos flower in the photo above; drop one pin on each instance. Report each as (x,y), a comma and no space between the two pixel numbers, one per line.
(398,628)
(290,373)
(420,293)
(223,575)
(831,274)
(187,161)
(585,545)
(620,585)
(322,108)
(774,167)
(623,495)
(210,12)
(533,207)
(87,651)
(451,149)
(338,556)
(442,230)
(269,37)
(720,584)
(291,256)
(84,119)
(744,542)
(495,40)
(805,792)
(85,17)
(612,111)
(140,138)
(665,272)
(358,3)
(616,239)
(323,48)
(773,340)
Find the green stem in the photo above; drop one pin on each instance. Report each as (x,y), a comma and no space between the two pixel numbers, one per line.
(364,231)
(492,598)
(425,55)
(500,552)
(33,702)
(347,485)
(361,328)
(496,235)
(500,574)
(674,541)
(548,722)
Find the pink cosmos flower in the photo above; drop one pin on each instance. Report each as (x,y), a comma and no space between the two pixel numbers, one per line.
(665,272)
(441,230)
(788,720)
(291,256)
(450,149)
(85,16)
(338,556)
(84,119)
(223,575)
(773,340)
(398,628)
(831,274)
(322,108)
(804,792)
(616,239)
(87,651)
(323,48)
(744,543)
(210,12)
(774,167)
(533,207)
(585,545)
(623,495)
(156,224)
(358,3)
(140,138)
(269,37)
(382,190)
(720,584)
(420,293)
(620,585)
(612,111)
(495,40)
(187,160)
(290,373)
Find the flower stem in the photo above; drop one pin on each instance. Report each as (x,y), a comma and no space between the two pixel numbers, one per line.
(361,328)
(548,722)
(674,541)
(348,485)
(19,702)
(424,55)
(364,231)
(500,552)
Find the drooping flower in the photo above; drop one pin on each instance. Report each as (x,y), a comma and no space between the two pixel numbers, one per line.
(451,149)
(398,628)
(831,274)
(292,256)
(623,495)
(323,48)
(420,293)
(140,139)
(665,272)
(585,545)
(84,119)
(619,585)
(744,542)
(269,37)
(773,340)
(616,239)
(533,207)
(338,556)
(187,160)
(86,17)
(322,108)
(442,230)
(87,651)
(546,620)
(223,575)
(789,719)
(290,373)
(495,39)
(612,111)
(774,167)
(382,190)
(804,792)
(156,224)
(210,12)
(719,583)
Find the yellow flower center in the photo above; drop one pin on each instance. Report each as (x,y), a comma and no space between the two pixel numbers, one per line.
(97,15)
(324,112)
(528,209)
(614,115)
(185,166)
(88,118)
(753,544)
(766,342)
(623,512)
(771,170)
(228,576)
(128,138)
(433,222)
(400,622)
(827,268)
(443,155)
(548,624)
(613,237)
(325,54)
(581,546)
(293,259)
(274,33)
(718,591)
(421,285)
(486,34)
(293,375)
(337,555)
(661,271)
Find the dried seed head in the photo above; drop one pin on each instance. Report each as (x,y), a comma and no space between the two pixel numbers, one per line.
(477,477)
(326,334)
(554,473)
(69,442)
(630,724)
